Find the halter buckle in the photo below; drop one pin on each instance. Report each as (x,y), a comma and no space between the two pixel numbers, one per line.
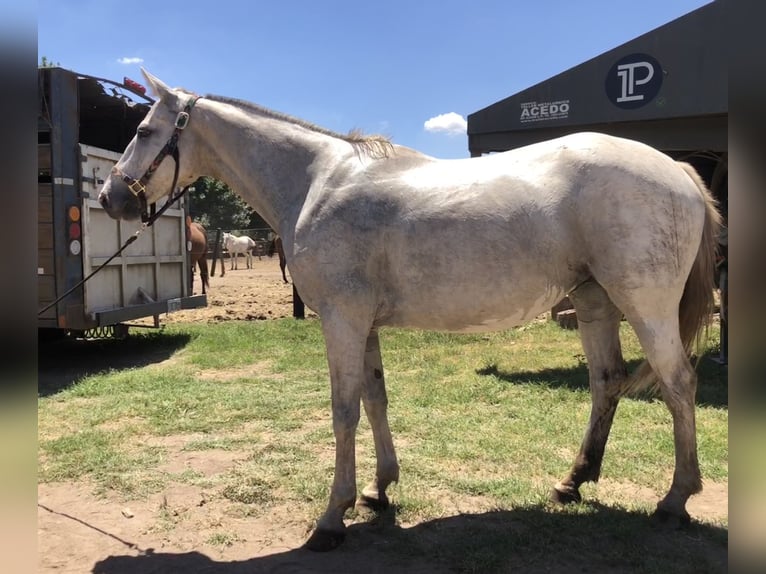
(137,188)
(182,120)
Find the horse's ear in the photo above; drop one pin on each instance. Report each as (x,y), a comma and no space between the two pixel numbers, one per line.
(159,88)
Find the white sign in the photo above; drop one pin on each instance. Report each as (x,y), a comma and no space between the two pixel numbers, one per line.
(630,80)
(541,111)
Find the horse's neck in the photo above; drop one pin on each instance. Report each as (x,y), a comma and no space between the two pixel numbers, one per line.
(271,163)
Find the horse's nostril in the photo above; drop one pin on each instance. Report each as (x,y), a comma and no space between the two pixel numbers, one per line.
(103,200)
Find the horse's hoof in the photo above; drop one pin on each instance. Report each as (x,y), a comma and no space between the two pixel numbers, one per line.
(373,503)
(671,520)
(565,495)
(325,540)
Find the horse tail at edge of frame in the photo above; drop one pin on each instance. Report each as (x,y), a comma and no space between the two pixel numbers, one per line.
(697,302)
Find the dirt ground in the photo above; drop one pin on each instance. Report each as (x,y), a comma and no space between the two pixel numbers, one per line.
(246,294)
(80,531)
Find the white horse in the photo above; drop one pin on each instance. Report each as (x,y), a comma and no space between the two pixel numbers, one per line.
(236,245)
(618,226)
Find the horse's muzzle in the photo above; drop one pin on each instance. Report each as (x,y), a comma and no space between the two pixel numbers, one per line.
(103,199)
(119,203)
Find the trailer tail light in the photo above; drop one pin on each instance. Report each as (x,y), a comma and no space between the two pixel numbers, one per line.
(133,85)
(75,231)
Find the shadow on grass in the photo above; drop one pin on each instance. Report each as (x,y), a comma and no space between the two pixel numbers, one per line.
(712,381)
(530,540)
(62,363)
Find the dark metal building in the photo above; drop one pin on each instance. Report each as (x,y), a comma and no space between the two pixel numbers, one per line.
(667,88)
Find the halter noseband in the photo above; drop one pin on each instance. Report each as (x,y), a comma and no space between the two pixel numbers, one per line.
(138,186)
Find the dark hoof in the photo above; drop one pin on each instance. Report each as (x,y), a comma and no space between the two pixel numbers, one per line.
(567,496)
(325,540)
(372,503)
(670,520)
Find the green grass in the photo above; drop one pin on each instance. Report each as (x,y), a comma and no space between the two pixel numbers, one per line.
(491,420)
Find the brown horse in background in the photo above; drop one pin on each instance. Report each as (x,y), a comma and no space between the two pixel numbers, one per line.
(276,245)
(196,236)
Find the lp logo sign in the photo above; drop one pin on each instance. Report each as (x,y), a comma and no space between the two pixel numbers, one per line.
(634,81)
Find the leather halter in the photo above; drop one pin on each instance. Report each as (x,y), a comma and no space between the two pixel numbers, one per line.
(138,186)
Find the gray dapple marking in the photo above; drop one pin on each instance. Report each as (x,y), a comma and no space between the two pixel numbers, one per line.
(620,227)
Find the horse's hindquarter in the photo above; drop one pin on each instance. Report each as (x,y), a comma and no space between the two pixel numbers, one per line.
(640,215)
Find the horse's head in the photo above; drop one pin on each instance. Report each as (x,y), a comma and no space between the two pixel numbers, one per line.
(146,171)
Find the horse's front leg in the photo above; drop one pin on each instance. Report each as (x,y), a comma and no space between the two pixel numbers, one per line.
(345,355)
(375,403)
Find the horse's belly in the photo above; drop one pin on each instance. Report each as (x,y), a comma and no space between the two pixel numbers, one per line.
(464,311)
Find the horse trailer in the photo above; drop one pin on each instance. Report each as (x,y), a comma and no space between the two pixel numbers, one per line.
(84,124)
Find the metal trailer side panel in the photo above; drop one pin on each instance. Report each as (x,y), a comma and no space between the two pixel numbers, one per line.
(153,269)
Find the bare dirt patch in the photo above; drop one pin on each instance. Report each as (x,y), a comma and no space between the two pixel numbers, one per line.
(242,294)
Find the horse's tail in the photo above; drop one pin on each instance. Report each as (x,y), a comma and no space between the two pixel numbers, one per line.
(272,247)
(697,302)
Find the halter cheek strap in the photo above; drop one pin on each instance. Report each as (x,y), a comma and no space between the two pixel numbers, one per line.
(138,186)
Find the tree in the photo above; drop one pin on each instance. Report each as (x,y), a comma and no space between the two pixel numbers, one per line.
(46,63)
(215,206)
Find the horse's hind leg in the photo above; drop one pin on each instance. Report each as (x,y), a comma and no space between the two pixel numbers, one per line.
(375,403)
(661,341)
(204,273)
(599,322)
(282,265)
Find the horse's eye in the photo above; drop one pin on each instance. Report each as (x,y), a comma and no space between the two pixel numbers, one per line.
(143,132)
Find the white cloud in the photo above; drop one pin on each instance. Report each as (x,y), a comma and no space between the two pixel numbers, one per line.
(450,123)
(130,60)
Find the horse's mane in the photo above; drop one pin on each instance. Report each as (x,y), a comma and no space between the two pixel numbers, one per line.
(374,145)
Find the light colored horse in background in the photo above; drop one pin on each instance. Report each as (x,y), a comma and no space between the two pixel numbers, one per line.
(618,226)
(239,244)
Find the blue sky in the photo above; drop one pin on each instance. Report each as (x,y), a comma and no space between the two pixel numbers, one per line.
(410,69)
